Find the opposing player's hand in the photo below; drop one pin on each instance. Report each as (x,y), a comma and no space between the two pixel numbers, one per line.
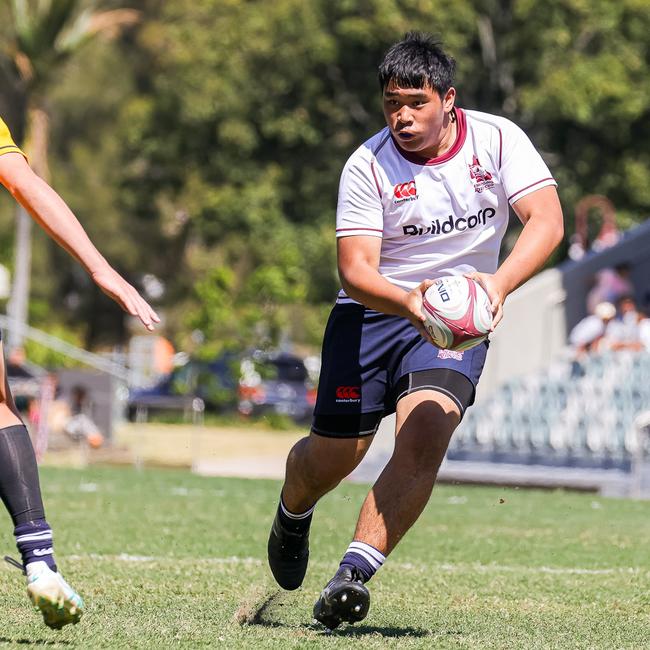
(126,296)
(413,308)
(496,293)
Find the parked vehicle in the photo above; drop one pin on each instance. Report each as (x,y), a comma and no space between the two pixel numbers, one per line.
(276,383)
(255,384)
(194,386)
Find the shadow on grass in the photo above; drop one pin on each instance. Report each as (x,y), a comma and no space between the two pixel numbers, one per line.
(4,639)
(364,630)
(349,631)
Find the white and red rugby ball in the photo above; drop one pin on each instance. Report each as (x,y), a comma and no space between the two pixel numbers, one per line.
(457,312)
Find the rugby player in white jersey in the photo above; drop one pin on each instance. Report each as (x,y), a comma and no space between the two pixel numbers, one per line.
(19,485)
(427,196)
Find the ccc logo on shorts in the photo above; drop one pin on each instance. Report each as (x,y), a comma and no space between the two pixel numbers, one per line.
(348,393)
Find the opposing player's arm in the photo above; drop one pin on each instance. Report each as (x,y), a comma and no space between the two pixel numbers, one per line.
(53,215)
(358,263)
(541,214)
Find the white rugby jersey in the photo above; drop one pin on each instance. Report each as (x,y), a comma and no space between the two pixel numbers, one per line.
(442,216)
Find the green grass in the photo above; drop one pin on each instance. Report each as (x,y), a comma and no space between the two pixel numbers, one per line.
(167,559)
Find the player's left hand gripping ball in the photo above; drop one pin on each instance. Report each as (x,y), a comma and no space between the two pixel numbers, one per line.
(458,313)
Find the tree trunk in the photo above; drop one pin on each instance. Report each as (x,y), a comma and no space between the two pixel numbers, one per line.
(19,301)
(36,150)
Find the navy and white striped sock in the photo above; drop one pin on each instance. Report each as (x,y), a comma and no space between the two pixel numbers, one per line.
(295,522)
(34,541)
(366,559)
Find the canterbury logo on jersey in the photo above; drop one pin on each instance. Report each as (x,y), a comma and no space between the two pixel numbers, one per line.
(403,192)
(451,223)
(348,394)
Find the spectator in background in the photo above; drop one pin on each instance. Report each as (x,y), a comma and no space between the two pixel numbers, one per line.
(610,285)
(623,332)
(80,425)
(644,330)
(588,334)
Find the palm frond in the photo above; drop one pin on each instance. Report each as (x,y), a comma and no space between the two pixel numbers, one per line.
(20,11)
(91,23)
(48,32)
(38,26)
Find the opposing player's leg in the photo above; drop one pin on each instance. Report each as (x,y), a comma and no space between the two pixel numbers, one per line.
(425,422)
(20,492)
(315,465)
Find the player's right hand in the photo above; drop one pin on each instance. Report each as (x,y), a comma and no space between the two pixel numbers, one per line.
(126,296)
(413,308)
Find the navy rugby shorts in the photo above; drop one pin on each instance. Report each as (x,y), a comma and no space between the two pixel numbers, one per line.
(370,360)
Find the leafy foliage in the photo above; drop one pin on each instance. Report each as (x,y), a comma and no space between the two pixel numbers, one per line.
(205,146)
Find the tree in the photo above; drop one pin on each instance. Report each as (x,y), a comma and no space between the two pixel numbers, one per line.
(43,36)
(247,113)
(213,155)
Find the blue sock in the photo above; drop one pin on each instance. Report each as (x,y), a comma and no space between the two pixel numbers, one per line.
(34,541)
(364,558)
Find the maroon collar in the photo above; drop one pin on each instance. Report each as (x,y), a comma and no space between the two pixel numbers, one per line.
(461,134)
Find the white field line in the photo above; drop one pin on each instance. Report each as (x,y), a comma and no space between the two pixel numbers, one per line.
(400,566)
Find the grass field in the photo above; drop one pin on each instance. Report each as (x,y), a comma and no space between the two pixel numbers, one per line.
(167,559)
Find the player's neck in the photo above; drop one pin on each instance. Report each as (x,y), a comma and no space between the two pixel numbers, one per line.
(448,136)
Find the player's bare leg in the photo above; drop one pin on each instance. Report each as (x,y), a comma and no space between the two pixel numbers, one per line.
(315,466)
(425,423)
(20,491)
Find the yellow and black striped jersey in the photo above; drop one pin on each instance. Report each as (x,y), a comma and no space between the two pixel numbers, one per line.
(7,145)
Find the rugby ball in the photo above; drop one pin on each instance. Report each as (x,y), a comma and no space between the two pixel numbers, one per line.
(457,312)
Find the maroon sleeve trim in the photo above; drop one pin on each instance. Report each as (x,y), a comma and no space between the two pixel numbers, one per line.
(500,147)
(360,228)
(374,175)
(550,178)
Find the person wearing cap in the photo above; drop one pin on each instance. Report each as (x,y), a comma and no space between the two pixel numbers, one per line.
(587,335)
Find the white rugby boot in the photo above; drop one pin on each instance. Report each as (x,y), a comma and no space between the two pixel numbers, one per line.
(51,595)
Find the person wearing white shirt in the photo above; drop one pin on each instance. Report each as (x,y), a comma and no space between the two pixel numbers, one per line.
(427,196)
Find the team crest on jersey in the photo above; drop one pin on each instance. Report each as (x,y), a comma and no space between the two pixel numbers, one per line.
(403,192)
(480,176)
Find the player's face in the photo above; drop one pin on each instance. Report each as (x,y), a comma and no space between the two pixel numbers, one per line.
(418,118)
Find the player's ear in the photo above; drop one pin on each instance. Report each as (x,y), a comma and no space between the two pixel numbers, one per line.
(449,100)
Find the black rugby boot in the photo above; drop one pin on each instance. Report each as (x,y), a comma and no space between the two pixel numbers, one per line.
(345,599)
(288,553)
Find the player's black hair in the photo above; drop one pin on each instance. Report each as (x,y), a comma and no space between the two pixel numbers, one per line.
(417,61)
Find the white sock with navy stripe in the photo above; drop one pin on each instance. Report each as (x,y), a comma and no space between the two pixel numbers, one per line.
(297,522)
(293,515)
(366,559)
(34,541)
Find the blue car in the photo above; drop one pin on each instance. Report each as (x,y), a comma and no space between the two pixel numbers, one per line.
(194,386)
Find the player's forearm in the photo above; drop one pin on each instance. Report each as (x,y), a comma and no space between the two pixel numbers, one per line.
(537,241)
(366,285)
(53,215)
